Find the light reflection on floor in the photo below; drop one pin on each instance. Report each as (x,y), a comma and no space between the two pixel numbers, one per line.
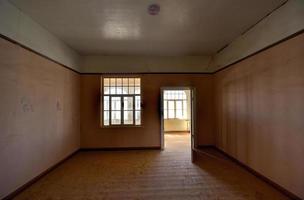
(150,174)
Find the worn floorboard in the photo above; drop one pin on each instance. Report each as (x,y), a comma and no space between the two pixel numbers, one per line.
(150,174)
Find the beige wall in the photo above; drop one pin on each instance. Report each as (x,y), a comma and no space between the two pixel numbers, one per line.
(260,113)
(39,115)
(93,136)
(176,125)
(283,22)
(147,64)
(20,27)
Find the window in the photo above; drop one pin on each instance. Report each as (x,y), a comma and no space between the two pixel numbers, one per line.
(121,101)
(175,104)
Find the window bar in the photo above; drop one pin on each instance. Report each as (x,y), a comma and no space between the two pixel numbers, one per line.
(115,85)
(133,111)
(128,86)
(122,107)
(110,112)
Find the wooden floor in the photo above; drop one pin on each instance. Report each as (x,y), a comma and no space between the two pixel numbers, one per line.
(150,174)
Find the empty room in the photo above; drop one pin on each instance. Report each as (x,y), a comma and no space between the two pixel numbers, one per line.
(151,99)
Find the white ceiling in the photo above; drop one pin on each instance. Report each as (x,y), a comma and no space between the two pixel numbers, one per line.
(123,27)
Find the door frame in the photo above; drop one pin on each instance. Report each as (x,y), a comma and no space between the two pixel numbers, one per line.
(193,115)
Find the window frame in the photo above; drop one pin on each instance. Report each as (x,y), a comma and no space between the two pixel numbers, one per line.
(166,110)
(102,95)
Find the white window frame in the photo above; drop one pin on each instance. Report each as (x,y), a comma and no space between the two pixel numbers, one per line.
(166,107)
(175,109)
(122,106)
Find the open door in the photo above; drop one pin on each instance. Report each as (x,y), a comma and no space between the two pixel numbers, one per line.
(164,104)
(193,125)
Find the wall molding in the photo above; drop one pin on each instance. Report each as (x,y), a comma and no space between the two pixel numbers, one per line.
(142,73)
(250,170)
(36,52)
(261,50)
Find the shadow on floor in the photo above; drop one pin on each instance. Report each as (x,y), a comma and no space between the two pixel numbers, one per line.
(150,174)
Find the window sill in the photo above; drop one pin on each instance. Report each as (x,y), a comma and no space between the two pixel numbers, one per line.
(126,126)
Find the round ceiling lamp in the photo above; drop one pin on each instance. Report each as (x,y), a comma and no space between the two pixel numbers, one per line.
(153,9)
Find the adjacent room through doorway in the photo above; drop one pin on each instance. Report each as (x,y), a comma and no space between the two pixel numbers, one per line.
(176,119)
(151,100)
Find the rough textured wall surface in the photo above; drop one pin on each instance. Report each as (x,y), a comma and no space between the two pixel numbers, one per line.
(39,115)
(260,112)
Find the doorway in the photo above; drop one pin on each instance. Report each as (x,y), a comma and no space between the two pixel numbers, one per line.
(177,119)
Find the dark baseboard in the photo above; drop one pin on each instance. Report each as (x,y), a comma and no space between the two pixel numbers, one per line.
(205,146)
(254,172)
(119,148)
(35,179)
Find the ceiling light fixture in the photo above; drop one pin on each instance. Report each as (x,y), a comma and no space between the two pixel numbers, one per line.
(153,9)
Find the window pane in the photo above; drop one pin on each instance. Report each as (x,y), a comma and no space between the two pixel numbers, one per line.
(116,117)
(125,90)
(106,103)
(137,102)
(171,105)
(118,90)
(128,117)
(174,95)
(115,103)
(179,109)
(170,114)
(106,90)
(178,105)
(171,109)
(131,90)
(131,81)
(185,107)
(106,82)
(112,90)
(113,82)
(125,82)
(137,82)
(119,82)
(179,95)
(179,114)
(137,90)
(137,117)
(106,118)
(128,103)
(165,114)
